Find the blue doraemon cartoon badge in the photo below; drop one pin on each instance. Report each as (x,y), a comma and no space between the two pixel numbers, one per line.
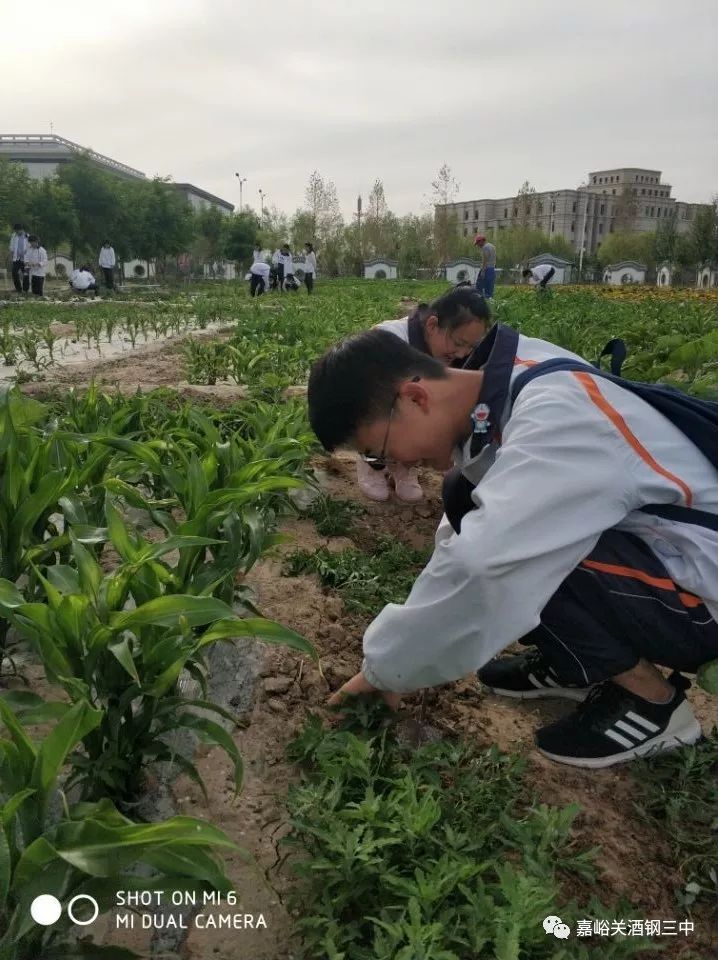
(480,418)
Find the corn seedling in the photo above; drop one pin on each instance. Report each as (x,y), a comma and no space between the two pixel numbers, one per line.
(91,848)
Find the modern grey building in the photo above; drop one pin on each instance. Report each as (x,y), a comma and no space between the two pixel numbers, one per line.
(42,155)
(609,200)
(201,200)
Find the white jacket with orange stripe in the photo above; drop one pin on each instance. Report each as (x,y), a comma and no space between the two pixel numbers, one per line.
(579,455)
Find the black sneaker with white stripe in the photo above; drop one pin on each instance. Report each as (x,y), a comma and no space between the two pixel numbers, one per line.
(527,676)
(613,725)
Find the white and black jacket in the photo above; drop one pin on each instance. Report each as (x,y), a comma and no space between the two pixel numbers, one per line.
(577,455)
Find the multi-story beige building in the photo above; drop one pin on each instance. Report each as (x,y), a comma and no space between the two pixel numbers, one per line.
(610,200)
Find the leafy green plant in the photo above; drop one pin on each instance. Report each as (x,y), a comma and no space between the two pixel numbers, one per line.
(334,516)
(438,853)
(126,662)
(205,362)
(31,488)
(367,582)
(679,793)
(89,849)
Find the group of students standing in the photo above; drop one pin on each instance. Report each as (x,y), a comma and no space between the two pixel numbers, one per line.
(29,261)
(29,265)
(280,274)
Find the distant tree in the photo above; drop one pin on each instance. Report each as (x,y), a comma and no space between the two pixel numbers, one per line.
(416,244)
(125,234)
(52,213)
(302,229)
(380,227)
(167,224)
(15,189)
(525,204)
(241,231)
(275,229)
(666,240)
(560,247)
(353,251)
(96,198)
(376,208)
(210,226)
(628,246)
(444,189)
(331,251)
(325,216)
(703,235)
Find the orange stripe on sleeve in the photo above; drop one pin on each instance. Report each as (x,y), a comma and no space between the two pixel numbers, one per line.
(591,388)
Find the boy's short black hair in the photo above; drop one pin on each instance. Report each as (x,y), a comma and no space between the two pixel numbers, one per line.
(17,226)
(356,382)
(33,238)
(459,306)
(526,272)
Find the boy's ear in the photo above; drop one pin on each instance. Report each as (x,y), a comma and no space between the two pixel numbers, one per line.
(415,390)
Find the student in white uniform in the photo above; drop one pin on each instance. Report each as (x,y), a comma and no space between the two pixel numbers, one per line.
(582,521)
(310,266)
(107,262)
(287,280)
(82,280)
(448,329)
(36,264)
(18,248)
(259,279)
(539,275)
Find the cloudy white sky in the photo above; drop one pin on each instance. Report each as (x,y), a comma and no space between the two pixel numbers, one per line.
(501,90)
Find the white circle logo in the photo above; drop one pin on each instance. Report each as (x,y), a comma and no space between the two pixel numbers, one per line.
(45,910)
(83,896)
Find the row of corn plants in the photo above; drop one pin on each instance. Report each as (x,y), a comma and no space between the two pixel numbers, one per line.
(116,617)
(670,337)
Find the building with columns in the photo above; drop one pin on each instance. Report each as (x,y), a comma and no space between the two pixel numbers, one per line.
(609,200)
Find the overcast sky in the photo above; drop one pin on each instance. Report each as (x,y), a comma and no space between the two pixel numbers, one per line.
(501,90)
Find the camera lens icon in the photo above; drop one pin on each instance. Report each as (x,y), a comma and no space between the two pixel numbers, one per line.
(46,910)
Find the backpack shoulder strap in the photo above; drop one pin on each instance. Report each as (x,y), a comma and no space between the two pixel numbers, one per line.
(554,365)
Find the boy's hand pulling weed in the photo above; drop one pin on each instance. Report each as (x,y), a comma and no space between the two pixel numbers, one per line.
(359,684)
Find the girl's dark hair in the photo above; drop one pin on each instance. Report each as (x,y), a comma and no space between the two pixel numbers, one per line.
(17,226)
(311,248)
(457,307)
(33,238)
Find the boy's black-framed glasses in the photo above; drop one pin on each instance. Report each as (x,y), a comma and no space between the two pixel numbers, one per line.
(379,463)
